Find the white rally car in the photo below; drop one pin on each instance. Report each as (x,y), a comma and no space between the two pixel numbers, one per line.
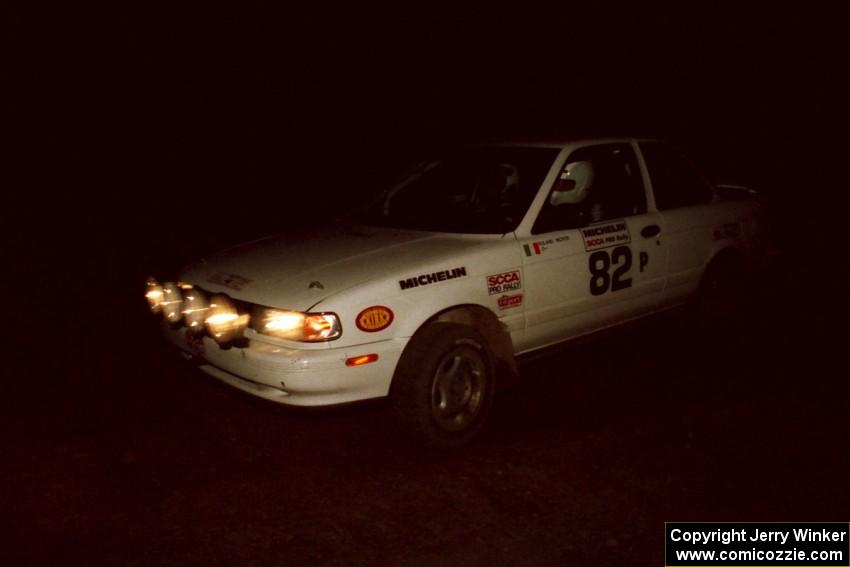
(473,258)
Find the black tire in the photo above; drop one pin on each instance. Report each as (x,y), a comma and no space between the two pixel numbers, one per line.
(719,301)
(443,387)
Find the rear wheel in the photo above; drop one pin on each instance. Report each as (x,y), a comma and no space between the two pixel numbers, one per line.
(444,384)
(719,301)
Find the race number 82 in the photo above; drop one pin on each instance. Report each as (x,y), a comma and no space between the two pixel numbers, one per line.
(600,263)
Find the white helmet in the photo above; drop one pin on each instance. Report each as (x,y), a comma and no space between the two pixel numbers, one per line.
(573,184)
(511,177)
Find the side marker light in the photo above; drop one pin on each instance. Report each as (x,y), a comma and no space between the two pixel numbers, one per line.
(361,360)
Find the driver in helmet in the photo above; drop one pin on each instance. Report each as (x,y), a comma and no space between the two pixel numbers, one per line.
(573,187)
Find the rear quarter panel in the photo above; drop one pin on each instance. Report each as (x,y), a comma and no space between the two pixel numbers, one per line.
(698,234)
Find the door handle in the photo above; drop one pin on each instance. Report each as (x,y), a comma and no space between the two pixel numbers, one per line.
(650,230)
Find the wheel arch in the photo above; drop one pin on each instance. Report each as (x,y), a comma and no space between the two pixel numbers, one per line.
(728,257)
(716,301)
(494,331)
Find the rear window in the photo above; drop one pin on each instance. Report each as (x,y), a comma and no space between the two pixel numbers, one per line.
(675,182)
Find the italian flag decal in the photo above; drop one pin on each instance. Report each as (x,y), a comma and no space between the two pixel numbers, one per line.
(534,246)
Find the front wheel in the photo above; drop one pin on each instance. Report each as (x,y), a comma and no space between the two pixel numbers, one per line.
(444,384)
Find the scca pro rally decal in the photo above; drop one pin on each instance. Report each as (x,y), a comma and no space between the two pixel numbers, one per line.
(605,235)
(503,283)
(433,277)
(508,301)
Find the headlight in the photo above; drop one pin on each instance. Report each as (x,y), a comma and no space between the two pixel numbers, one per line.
(172,302)
(195,309)
(223,322)
(296,326)
(154,295)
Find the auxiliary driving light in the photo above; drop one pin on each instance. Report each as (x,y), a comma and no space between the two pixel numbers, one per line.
(172,302)
(195,308)
(223,322)
(154,294)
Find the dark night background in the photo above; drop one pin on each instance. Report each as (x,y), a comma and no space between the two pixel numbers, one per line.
(139,137)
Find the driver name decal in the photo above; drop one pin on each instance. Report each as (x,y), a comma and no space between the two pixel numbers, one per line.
(433,277)
(605,235)
(536,248)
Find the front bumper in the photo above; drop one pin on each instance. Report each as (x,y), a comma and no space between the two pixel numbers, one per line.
(309,377)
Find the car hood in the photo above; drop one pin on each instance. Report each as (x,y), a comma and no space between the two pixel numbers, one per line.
(297,272)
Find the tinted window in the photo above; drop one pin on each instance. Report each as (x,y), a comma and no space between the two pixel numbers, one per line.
(597,183)
(675,182)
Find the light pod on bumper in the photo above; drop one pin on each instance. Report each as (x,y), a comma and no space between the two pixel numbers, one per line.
(154,294)
(172,302)
(195,309)
(223,321)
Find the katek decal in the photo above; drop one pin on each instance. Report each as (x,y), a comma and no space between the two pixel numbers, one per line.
(374,319)
(433,277)
(605,235)
(229,280)
(504,282)
(510,301)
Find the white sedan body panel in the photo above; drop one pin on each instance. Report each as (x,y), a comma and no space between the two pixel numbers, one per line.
(696,234)
(296,376)
(561,301)
(371,276)
(447,270)
(544,287)
(470,259)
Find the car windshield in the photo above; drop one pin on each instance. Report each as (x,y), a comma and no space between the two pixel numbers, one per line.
(474,191)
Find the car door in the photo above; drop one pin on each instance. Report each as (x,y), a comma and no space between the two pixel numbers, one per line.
(682,196)
(594,256)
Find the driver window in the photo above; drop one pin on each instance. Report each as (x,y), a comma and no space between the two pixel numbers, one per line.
(597,183)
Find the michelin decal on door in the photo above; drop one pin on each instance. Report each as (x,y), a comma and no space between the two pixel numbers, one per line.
(604,235)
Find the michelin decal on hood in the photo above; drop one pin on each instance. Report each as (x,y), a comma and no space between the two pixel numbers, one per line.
(433,277)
